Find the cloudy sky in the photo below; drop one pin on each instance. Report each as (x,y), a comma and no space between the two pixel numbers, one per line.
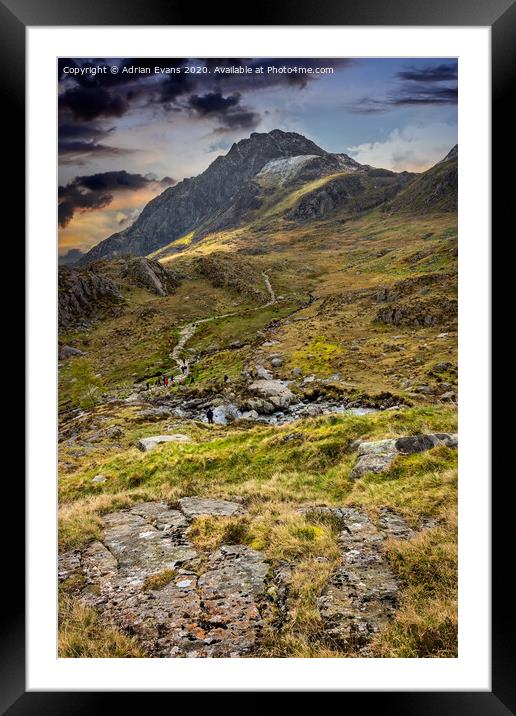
(128,128)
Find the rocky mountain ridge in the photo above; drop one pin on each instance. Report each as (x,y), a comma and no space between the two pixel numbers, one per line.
(254,173)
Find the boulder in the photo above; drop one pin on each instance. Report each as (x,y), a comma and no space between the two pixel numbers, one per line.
(275,391)
(259,405)
(224,414)
(250,415)
(420,443)
(65,352)
(377,456)
(262,373)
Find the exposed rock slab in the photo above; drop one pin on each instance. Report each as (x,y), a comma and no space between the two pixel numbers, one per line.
(362,595)
(198,608)
(196,506)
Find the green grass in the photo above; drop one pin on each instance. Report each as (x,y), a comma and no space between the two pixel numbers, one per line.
(257,463)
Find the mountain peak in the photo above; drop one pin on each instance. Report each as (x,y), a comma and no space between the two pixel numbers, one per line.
(187,205)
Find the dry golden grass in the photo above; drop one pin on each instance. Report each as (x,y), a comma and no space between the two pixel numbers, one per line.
(82,635)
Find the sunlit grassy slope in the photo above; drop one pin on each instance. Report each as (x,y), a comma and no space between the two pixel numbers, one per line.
(330,278)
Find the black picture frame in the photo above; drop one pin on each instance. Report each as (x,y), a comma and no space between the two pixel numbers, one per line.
(500,15)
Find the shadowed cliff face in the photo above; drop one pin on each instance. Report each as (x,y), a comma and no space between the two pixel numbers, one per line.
(87,295)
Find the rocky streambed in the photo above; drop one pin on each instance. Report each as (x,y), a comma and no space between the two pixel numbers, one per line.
(263,400)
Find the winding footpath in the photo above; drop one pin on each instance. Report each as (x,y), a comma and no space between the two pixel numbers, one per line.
(189,330)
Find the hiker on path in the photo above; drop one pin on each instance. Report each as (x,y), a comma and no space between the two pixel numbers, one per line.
(192,380)
(226,378)
(165,380)
(184,368)
(209,415)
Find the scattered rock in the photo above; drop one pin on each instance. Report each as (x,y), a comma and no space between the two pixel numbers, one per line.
(99,479)
(443,367)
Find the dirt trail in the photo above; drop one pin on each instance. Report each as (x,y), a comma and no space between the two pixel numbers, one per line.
(189,330)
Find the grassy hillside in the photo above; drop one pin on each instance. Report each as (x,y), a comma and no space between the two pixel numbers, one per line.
(364,307)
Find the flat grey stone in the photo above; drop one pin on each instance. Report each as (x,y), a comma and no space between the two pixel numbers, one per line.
(196,506)
(99,479)
(372,462)
(147,444)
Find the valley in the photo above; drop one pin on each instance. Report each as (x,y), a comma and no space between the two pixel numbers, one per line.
(313,301)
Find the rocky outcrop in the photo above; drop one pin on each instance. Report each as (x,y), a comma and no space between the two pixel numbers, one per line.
(378,456)
(196,506)
(151,275)
(85,296)
(433,312)
(225,270)
(147,578)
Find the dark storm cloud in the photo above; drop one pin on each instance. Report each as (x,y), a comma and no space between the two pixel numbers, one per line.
(96,191)
(213,103)
(72,199)
(91,95)
(78,152)
(425,95)
(419,86)
(227,110)
(441,73)
(88,103)
(78,142)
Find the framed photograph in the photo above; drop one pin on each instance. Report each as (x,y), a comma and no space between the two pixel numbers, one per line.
(258,367)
